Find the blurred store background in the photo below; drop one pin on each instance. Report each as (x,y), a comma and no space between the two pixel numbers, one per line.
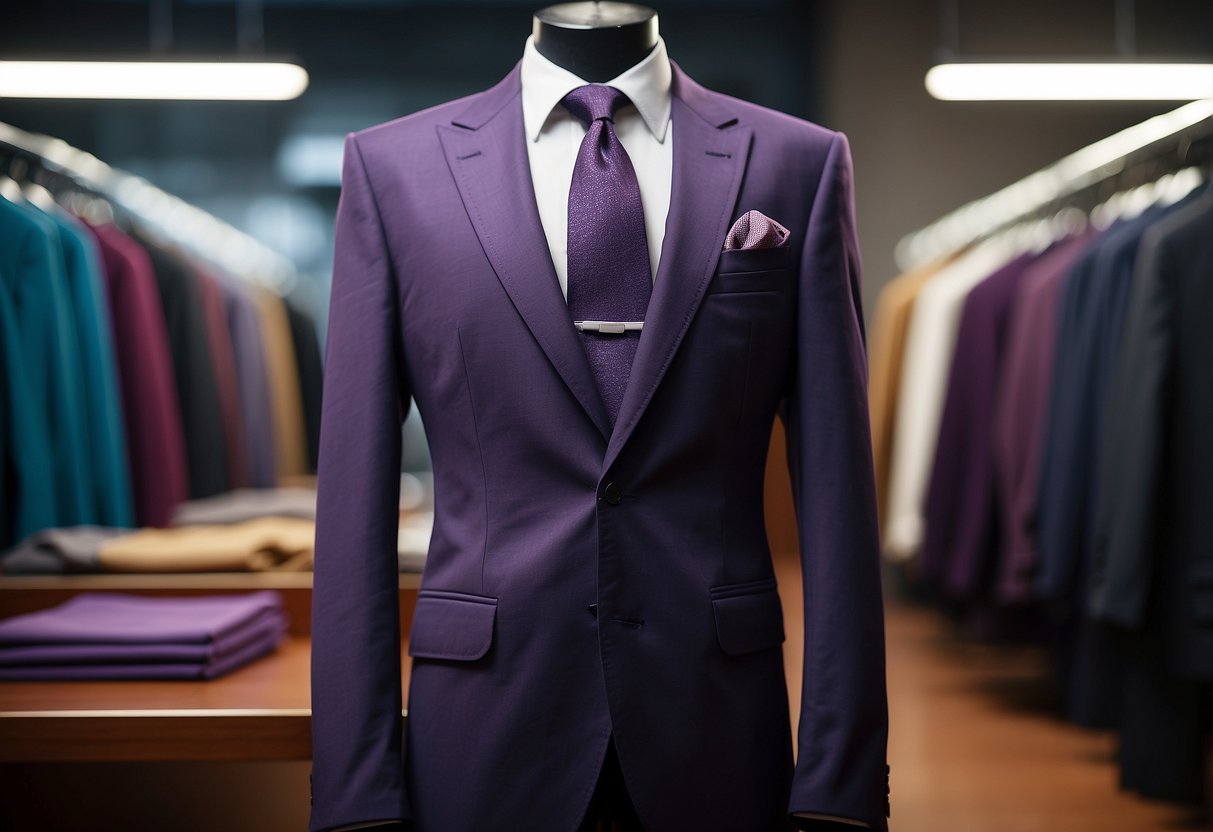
(990,731)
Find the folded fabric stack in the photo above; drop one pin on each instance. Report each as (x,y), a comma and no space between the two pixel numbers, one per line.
(110,635)
(265,544)
(245,530)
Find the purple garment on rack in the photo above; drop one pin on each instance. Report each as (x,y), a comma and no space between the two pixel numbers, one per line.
(222,345)
(957,552)
(268,625)
(1020,413)
(158,670)
(244,324)
(150,405)
(117,618)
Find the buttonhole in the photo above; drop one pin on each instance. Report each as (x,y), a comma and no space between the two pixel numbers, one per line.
(718,154)
(468,156)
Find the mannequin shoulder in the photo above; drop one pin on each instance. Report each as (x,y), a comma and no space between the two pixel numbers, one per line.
(410,131)
(774,131)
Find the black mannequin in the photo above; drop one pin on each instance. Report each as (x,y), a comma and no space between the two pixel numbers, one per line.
(595,41)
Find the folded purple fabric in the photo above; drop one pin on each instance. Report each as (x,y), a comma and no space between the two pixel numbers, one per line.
(167,670)
(271,623)
(118,618)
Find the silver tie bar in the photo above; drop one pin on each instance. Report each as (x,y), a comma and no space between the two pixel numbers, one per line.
(614,327)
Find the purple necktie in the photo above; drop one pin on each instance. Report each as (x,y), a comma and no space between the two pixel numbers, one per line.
(608,256)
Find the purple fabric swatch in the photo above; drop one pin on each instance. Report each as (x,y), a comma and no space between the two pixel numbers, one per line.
(111,617)
(270,624)
(158,670)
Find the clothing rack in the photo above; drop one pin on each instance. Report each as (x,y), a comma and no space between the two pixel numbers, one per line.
(172,218)
(1171,137)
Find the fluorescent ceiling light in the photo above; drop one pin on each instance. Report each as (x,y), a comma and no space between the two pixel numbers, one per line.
(195,81)
(1070,82)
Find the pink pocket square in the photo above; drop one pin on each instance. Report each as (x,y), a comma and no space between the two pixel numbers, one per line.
(755,229)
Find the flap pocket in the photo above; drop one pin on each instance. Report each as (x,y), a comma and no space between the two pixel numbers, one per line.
(749,616)
(452,625)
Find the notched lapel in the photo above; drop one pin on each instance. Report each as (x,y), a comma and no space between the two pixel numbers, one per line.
(710,154)
(485,149)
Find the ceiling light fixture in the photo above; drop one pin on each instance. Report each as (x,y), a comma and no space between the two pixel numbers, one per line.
(164,80)
(1070,81)
(1123,77)
(165,76)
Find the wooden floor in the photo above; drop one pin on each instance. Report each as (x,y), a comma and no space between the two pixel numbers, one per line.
(974,744)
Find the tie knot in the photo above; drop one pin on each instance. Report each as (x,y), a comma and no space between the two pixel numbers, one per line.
(594,101)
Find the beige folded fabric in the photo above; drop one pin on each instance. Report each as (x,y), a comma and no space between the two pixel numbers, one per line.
(279,544)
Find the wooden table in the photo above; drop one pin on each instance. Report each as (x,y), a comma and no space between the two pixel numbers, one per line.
(257,713)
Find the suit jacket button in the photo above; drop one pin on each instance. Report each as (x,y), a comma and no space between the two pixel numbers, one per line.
(612,493)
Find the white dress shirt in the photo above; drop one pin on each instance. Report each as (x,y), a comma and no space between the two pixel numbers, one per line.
(554,137)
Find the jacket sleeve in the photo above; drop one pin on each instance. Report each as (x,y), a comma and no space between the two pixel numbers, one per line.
(357,770)
(841,766)
(1132,447)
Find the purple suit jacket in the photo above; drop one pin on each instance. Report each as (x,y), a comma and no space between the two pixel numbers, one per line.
(583,582)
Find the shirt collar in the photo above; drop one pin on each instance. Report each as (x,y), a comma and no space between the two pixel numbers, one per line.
(647,84)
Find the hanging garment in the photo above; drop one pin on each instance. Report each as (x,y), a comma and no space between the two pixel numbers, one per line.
(227,386)
(194,370)
(958,552)
(282,369)
(32,264)
(110,481)
(1020,411)
(930,342)
(27,485)
(256,411)
(151,406)
(1091,321)
(1152,539)
(885,359)
(311,377)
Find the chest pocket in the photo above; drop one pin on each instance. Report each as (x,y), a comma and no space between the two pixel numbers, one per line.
(753,270)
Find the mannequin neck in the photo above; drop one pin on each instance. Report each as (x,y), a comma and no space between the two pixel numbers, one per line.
(595,41)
